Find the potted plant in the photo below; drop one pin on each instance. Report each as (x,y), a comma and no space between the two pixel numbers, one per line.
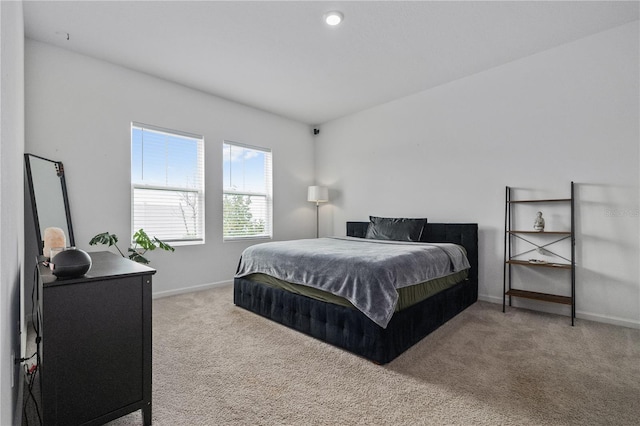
(141,244)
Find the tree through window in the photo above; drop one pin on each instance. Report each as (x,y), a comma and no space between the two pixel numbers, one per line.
(247,191)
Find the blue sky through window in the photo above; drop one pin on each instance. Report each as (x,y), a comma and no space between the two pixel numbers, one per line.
(160,159)
(243,169)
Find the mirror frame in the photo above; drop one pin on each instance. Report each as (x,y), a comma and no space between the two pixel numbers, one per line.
(60,173)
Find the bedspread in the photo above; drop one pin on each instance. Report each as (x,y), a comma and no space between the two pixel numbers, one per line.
(364,271)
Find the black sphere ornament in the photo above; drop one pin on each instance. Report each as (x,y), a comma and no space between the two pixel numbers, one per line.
(71,263)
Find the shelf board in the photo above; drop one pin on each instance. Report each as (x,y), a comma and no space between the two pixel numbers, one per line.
(548,200)
(542,232)
(537,265)
(553,298)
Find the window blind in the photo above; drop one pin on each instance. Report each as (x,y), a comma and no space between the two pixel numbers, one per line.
(167,184)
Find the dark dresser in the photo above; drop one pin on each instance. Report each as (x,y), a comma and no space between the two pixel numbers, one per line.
(96,342)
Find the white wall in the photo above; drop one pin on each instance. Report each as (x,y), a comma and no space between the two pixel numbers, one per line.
(570,113)
(79,111)
(11,211)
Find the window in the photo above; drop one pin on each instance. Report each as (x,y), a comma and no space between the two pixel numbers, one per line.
(167,184)
(247,193)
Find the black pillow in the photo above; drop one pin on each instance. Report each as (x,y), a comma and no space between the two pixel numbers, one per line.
(397,229)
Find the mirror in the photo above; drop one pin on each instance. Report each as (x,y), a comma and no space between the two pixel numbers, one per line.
(48,193)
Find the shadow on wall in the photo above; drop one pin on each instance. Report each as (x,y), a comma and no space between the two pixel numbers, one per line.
(330,211)
(607,222)
(490,252)
(607,249)
(604,288)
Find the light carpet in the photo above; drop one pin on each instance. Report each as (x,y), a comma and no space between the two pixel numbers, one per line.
(217,364)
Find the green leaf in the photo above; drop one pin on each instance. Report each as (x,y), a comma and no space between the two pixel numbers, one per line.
(137,257)
(142,239)
(104,238)
(163,245)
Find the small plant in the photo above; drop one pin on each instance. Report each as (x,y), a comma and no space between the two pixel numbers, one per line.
(142,244)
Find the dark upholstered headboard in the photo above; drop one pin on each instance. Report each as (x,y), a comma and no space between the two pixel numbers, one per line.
(465,234)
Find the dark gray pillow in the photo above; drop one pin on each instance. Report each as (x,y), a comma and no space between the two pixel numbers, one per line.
(397,229)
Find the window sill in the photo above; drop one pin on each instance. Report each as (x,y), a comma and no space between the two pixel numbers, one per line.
(251,238)
(185,243)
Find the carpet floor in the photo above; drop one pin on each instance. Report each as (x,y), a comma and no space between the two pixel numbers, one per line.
(217,364)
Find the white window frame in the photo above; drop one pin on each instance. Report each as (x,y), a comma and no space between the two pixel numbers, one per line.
(198,190)
(267,193)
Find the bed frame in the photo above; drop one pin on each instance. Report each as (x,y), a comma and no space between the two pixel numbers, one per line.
(350,329)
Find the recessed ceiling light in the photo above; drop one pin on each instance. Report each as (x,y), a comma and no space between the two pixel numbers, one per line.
(333,18)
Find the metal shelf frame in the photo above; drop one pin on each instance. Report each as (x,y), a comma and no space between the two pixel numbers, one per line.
(511,261)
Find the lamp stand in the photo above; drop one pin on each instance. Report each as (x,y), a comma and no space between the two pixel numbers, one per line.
(317,220)
(318,194)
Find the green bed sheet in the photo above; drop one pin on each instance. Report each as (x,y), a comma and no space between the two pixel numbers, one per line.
(407,296)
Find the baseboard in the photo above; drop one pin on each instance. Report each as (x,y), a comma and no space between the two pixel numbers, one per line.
(623,322)
(200,287)
(492,299)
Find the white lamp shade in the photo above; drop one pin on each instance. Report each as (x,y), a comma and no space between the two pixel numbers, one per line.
(318,194)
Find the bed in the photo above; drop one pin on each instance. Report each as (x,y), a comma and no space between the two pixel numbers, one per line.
(342,324)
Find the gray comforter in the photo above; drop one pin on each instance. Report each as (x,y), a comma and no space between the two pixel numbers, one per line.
(365,272)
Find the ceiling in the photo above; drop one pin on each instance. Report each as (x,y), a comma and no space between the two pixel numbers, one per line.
(282,58)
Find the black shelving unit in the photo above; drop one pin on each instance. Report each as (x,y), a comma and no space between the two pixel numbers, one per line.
(537,240)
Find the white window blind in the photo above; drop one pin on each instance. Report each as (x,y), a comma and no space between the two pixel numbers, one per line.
(167,184)
(247,191)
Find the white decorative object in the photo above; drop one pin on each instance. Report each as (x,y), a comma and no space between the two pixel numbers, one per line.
(53,238)
(538,225)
